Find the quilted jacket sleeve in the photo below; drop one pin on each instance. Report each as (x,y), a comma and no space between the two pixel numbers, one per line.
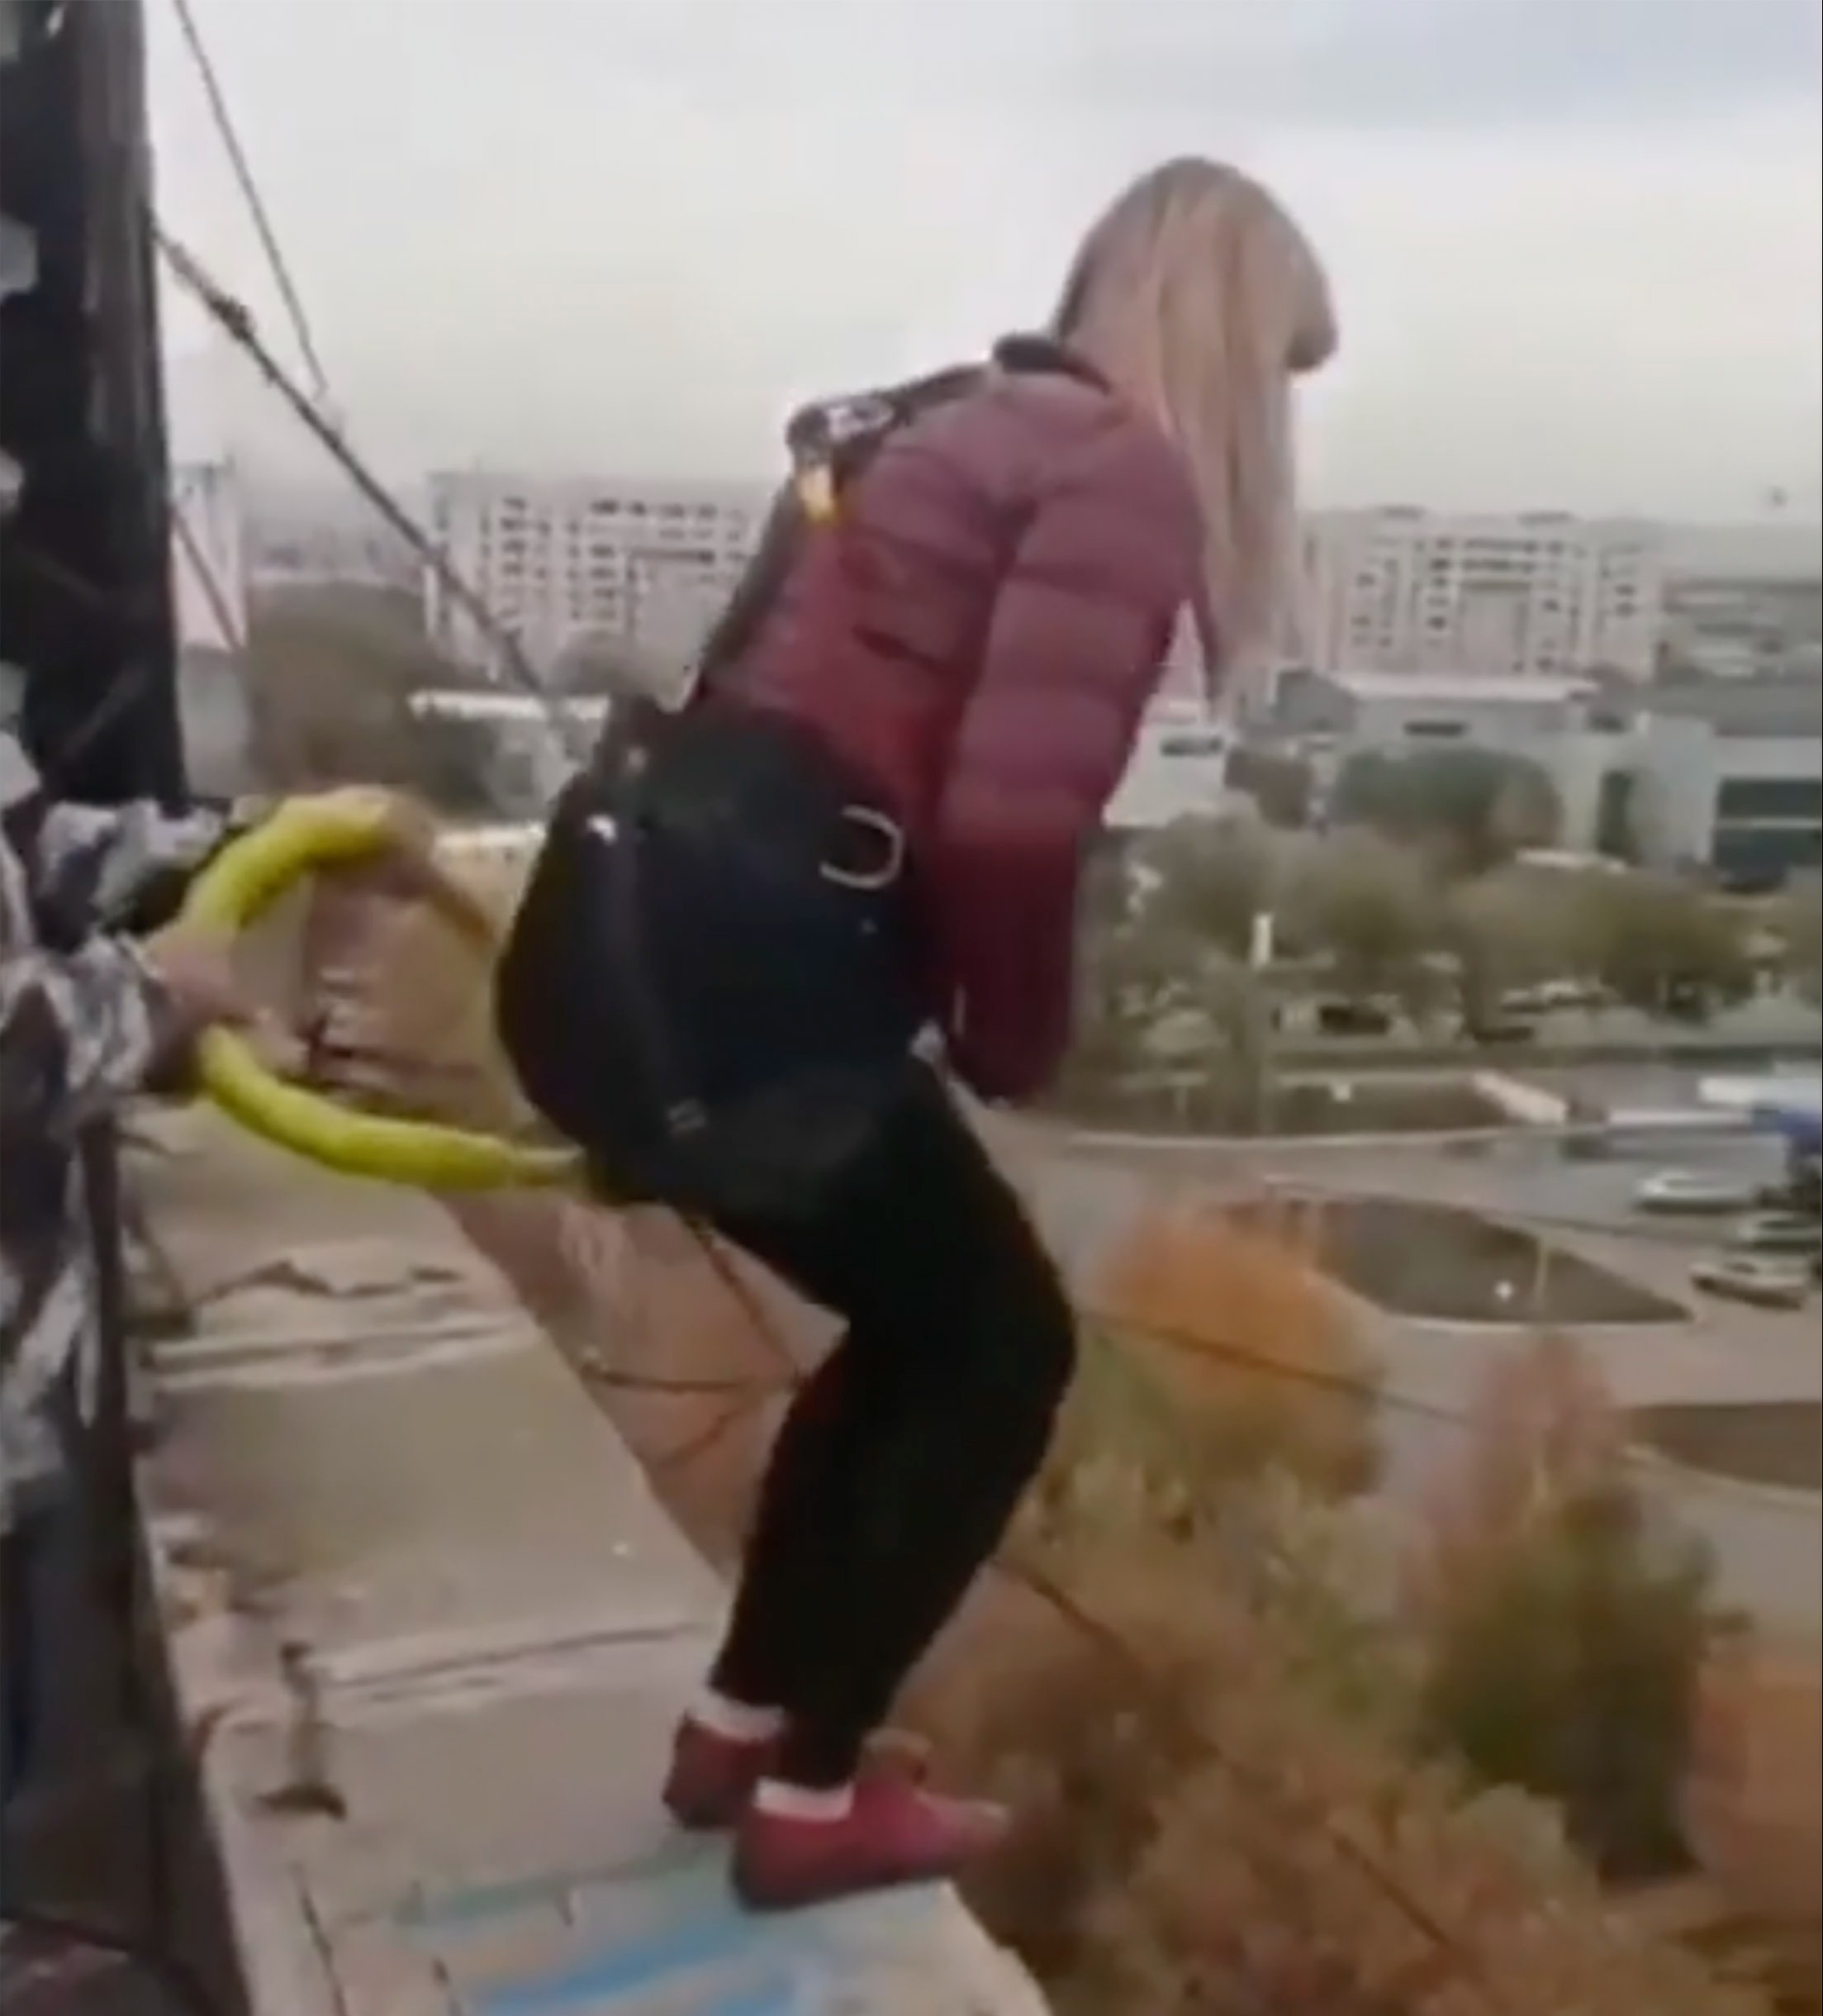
(1078,635)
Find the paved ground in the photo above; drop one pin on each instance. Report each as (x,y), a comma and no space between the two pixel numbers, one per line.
(431,1629)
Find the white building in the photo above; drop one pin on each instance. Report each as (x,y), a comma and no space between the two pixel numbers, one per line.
(1401,590)
(1744,602)
(1566,726)
(557,563)
(1730,777)
(1726,779)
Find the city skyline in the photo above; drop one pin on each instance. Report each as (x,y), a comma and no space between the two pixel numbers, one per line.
(566,564)
(1576,246)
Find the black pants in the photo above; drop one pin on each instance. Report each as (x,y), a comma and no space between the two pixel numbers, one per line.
(901,1461)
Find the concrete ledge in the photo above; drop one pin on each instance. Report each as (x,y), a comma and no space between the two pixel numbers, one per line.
(429,1629)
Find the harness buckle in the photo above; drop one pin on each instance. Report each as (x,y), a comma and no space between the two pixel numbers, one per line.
(870,880)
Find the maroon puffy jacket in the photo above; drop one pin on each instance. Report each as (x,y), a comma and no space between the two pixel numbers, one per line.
(978,636)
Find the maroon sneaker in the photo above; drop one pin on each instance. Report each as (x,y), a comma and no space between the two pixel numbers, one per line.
(713,1778)
(895,1834)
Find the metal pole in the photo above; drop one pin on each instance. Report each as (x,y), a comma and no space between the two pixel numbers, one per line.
(85,595)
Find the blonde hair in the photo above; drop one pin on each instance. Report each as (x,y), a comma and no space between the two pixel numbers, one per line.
(1199,299)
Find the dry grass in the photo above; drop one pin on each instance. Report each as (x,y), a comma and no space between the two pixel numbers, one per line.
(1315,1872)
(1544,1430)
(1209,1827)
(1754,1803)
(1237,1322)
(1566,1623)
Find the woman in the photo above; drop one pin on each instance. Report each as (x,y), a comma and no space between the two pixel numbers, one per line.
(868,823)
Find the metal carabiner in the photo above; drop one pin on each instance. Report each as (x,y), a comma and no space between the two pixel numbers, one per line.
(869,880)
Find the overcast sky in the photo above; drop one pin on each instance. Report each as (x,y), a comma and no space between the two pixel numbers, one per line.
(1575,242)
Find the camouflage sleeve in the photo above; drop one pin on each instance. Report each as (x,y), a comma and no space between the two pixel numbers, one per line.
(77,1032)
(97,868)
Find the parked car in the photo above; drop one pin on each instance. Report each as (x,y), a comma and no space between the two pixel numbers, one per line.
(1690,1191)
(1751,1277)
(1353,1019)
(1504,1029)
(1552,997)
(1777,1232)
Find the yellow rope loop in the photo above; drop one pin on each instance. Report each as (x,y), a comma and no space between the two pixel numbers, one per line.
(245,879)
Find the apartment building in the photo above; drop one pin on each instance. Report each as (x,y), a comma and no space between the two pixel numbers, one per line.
(559,563)
(1540,594)
(1744,601)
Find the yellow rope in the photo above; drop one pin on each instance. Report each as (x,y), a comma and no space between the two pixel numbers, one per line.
(246,878)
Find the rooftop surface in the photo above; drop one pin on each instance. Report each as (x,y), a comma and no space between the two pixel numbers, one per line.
(429,1629)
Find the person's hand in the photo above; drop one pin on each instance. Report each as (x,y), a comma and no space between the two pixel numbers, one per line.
(279,1049)
(405,868)
(195,968)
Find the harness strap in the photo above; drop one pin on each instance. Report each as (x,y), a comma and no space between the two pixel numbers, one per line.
(619,832)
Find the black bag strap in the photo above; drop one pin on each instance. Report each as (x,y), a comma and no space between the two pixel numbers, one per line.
(613,819)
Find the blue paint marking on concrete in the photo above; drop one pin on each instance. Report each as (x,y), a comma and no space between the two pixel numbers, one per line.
(477,1903)
(777,1995)
(707,1937)
(692,1928)
(696,1947)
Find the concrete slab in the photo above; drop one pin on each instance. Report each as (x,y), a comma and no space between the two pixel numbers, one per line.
(508,1859)
(476,1493)
(406,1567)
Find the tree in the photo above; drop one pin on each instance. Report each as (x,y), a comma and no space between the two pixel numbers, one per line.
(1205,881)
(1166,959)
(1506,930)
(1127,979)
(1615,835)
(330,680)
(1283,786)
(606,664)
(1568,1629)
(1106,898)
(1471,809)
(1371,908)
(1800,927)
(1661,944)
